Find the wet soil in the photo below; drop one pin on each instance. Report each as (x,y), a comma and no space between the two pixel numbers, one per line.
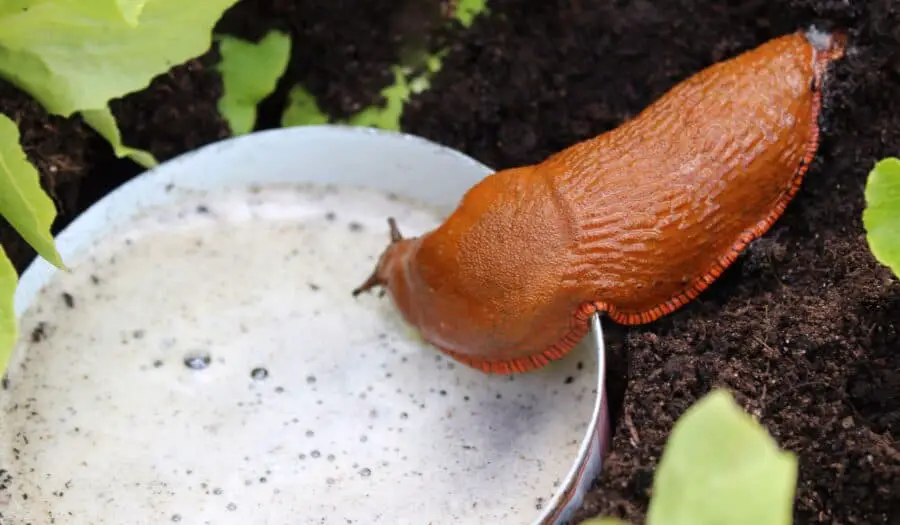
(804,328)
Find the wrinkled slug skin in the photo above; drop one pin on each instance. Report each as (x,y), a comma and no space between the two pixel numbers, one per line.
(635,222)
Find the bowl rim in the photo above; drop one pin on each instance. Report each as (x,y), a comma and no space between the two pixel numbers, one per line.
(577,480)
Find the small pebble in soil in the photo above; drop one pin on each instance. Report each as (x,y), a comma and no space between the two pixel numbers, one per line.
(68,299)
(157,364)
(176,518)
(310,379)
(365,472)
(259,373)
(315,454)
(310,433)
(197,360)
(355,226)
(232,507)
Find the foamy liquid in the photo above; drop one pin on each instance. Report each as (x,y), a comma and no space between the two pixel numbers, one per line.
(208,365)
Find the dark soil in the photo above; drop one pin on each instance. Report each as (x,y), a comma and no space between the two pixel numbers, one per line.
(175,114)
(804,329)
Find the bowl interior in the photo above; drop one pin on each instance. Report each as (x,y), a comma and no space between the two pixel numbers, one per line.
(204,362)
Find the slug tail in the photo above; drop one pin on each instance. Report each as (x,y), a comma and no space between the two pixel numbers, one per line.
(828,45)
(828,48)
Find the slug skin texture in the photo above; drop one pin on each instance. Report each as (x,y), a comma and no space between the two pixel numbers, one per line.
(635,222)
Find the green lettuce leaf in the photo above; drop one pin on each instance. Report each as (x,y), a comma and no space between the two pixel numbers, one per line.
(9,326)
(22,200)
(721,467)
(116,10)
(398,93)
(76,55)
(131,10)
(468,10)
(250,72)
(302,109)
(9,7)
(104,123)
(881,218)
(433,64)
(387,116)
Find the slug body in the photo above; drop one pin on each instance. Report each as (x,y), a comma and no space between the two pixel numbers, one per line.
(635,222)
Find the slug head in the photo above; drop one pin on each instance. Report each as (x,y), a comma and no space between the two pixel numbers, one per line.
(379,277)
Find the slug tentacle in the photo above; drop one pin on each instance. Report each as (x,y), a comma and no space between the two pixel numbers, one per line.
(377,278)
(636,222)
(396,236)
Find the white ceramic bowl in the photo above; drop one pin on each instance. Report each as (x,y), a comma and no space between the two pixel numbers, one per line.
(204,361)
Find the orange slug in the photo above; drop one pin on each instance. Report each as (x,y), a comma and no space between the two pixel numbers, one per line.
(635,222)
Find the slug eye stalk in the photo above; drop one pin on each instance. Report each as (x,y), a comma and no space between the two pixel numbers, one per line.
(375,279)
